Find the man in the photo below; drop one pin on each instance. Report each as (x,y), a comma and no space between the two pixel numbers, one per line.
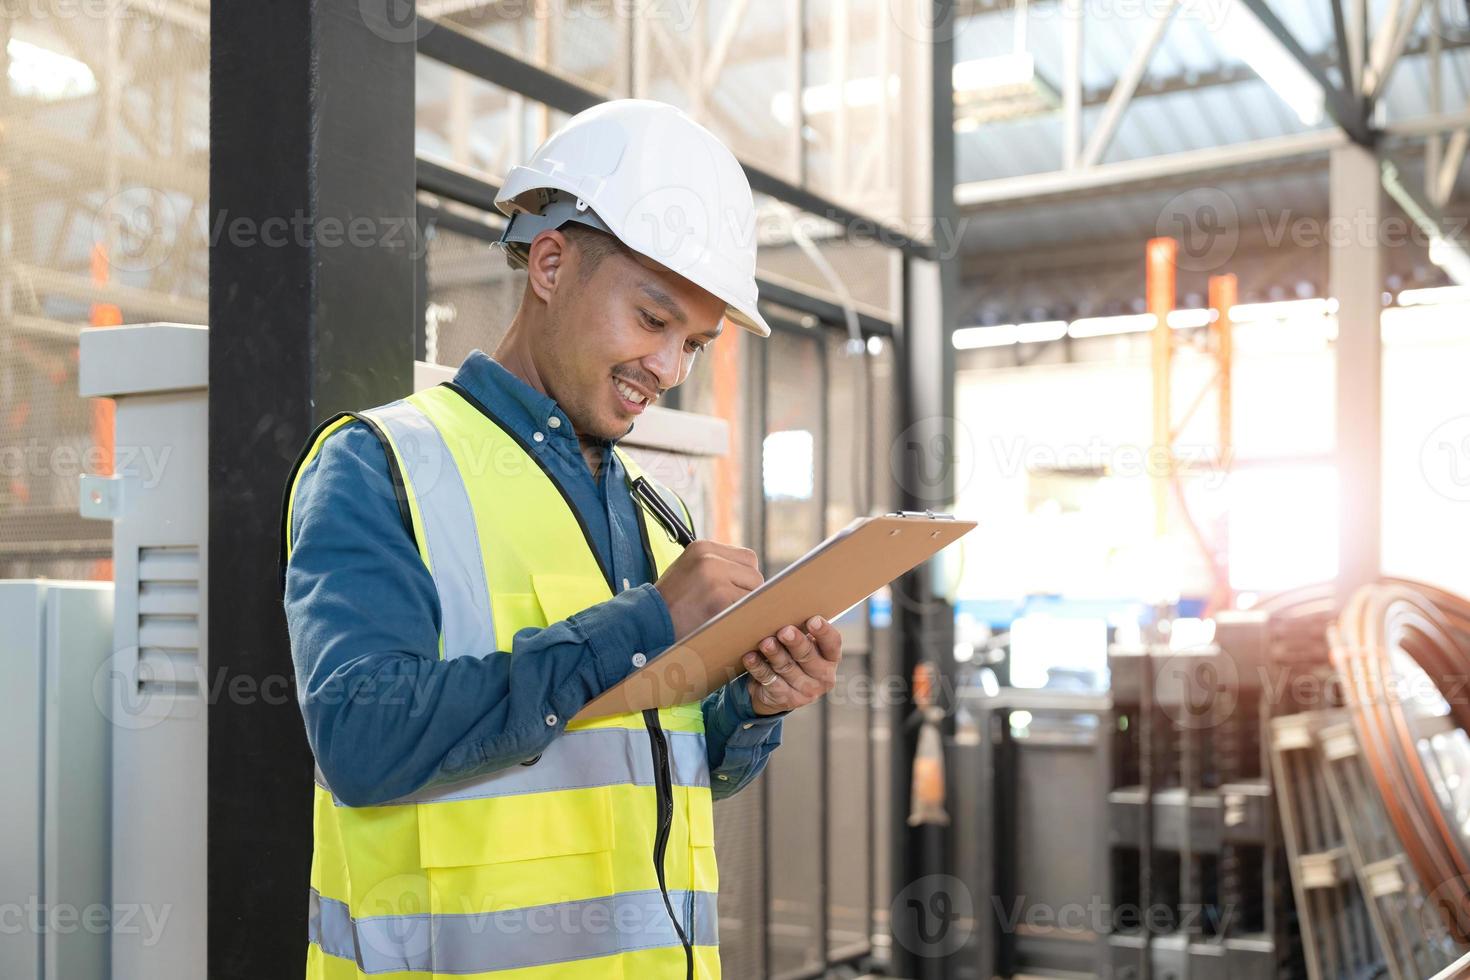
(466,568)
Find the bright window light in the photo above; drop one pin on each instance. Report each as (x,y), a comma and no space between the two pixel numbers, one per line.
(985,89)
(1103,326)
(787,465)
(1450,257)
(1283,526)
(824,98)
(1189,633)
(972,338)
(1005,334)
(1440,323)
(1434,295)
(1188,319)
(45,74)
(1282,310)
(1042,330)
(1041,644)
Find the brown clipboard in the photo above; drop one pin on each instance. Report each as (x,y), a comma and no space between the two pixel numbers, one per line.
(827,581)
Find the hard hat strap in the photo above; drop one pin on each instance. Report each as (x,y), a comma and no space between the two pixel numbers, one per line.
(561,209)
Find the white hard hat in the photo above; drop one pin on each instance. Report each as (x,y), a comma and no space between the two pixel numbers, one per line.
(657,181)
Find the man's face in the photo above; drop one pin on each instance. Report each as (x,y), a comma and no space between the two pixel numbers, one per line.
(630,327)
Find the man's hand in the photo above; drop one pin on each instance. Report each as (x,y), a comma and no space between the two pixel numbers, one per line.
(793,668)
(706,579)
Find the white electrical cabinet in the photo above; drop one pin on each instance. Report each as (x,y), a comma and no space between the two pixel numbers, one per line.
(158,501)
(55,646)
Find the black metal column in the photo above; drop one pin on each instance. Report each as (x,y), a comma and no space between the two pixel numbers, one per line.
(311,310)
(926,456)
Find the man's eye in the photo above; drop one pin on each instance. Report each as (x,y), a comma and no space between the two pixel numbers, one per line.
(696,348)
(651,320)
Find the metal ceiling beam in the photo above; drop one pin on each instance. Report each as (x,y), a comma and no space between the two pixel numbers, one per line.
(1272,169)
(1386,57)
(1348,113)
(1382,39)
(137,304)
(447,180)
(181,13)
(729,29)
(1453,257)
(486,102)
(1212,159)
(772,288)
(1229,74)
(1072,42)
(456,47)
(1434,147)
(820,304)
(1357,32)
(1428,125)
(1345,63)
(1127,84)
(38,144)
(1449,167)
(1102,254)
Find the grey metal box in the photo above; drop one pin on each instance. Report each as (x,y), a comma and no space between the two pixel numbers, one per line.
(55,642)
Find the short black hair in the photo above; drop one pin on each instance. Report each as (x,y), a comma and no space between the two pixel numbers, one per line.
(592,247)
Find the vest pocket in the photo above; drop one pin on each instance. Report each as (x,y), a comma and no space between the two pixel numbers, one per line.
(563,596)
(515,828)
(683,717)
(517,610)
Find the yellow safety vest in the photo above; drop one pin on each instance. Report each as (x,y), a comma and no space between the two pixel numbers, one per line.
(595,861)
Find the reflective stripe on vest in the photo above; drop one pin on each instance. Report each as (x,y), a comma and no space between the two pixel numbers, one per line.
(448,526)
(577,760)
(487,942)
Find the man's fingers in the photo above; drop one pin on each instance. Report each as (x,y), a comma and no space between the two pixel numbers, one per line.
(773,691)
(779,656)
(777,696)
(828,640)
(801,647)
(730,552)
(742,575)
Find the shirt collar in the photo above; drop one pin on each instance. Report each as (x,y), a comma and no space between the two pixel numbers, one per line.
(519,405)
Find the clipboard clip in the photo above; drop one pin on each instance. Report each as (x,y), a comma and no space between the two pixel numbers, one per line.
(931,515)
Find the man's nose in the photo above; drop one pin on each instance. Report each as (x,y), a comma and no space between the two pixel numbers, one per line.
(666,365)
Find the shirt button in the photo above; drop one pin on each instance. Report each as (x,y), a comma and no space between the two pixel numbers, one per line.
(748,725)
(554,422)
(723,777)
(625,583)
(537,436)
(551,720)
(639,660)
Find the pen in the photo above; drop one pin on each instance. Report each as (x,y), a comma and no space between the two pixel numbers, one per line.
(662,512)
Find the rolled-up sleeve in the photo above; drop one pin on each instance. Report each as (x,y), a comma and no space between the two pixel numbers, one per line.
(738,740)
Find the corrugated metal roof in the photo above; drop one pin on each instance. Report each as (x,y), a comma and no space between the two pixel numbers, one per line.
(1154,124)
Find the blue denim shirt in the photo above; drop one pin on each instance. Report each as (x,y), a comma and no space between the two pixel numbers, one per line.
(385,716)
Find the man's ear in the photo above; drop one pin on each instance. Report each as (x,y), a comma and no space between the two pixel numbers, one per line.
(546,262)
